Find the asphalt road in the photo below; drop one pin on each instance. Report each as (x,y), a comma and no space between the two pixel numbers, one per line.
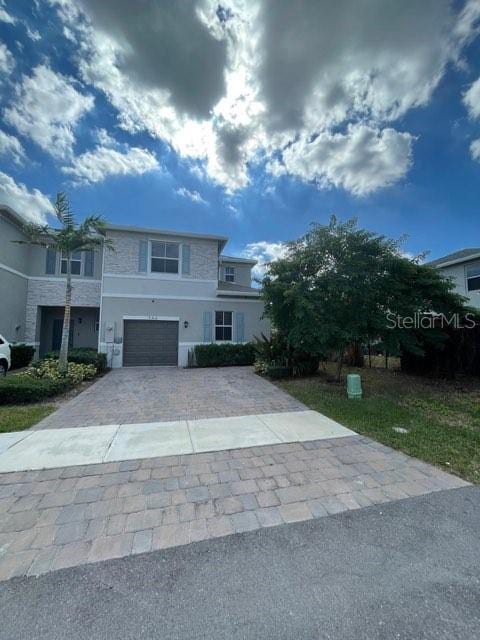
(409,569)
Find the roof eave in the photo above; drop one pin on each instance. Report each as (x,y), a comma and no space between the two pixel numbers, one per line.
(222,240)
(238,294)
(239,260)
(450,263)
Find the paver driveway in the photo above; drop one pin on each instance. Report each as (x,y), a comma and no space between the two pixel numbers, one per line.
(56,518)
(156,394)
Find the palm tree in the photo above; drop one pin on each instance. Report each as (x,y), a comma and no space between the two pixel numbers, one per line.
(70,237)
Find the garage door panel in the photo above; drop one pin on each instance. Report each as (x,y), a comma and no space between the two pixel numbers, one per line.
(150,342)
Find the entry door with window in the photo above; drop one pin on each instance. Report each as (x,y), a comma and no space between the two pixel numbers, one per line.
(57,334)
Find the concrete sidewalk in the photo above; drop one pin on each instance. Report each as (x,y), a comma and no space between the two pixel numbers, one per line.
(52,448)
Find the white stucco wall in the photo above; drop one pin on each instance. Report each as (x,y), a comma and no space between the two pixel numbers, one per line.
(458,273)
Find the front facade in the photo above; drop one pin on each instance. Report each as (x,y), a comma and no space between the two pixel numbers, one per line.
(147,302)
(463,268)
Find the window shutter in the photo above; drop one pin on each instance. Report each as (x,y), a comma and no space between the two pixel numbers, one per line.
(207,326)
(51,260)
(143,256)
(240,326)
(89,258)
(186,259)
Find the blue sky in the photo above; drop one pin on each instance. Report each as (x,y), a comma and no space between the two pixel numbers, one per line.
(249,119)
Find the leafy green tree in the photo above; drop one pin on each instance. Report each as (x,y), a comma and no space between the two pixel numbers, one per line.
(339,284)
(70,237)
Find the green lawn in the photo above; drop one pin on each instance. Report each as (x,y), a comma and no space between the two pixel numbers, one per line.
(442,418)
(17,418)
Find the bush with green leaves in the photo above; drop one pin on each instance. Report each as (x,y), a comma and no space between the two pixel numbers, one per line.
(339,284)
(276,359)
(49,369)
(223,355)
(82,355)
(21,354)
(21,389)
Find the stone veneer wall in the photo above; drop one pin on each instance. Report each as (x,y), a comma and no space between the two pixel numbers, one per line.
(52,293)
(124,260)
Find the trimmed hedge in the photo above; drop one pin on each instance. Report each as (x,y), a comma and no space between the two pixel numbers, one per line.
(83,356)
(19,389)
(224,355)
(277,372)
(22,355)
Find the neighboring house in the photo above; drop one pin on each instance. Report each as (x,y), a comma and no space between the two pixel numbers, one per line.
(463,267)
(146,303)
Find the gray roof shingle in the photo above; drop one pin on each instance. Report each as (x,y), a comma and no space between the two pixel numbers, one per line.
(456,256)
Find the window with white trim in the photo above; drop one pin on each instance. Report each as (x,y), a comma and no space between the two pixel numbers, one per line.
(164,257)
(229,274)
(75,263)
(223,325)
(473,277)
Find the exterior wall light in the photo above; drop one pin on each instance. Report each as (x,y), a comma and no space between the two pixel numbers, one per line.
(185,324)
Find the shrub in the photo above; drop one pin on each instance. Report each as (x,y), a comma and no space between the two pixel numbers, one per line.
(22,355)
(275,359)
(48,369)
(83,356)
(20,389)
(305,365)
(223,355)
(278,371)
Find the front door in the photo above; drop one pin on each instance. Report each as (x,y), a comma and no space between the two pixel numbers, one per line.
(57,334)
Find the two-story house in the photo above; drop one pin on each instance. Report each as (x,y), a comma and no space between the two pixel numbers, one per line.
(463,268)
(147,302)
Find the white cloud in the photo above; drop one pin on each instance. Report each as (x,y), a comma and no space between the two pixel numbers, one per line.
(194,196)
(46,108)
(6,59)
(262,76)
(471,99)
(264,252)
(33,205)
(102,162)
(475,149)
(4,15)
(361,160)
(104,138)
(33,34)
(11,146)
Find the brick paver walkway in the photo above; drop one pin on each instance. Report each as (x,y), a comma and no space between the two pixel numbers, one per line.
(64,517)
(158,394)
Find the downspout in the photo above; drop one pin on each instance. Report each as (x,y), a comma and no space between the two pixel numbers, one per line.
(100,319)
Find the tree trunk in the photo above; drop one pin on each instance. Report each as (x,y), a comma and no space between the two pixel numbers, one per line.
(369,355)
(386,359)
(339,365)
(62,359)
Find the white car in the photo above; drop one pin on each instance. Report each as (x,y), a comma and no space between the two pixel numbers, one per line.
(5,356)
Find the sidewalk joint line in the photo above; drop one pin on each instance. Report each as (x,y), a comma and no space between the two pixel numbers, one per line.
(111,442)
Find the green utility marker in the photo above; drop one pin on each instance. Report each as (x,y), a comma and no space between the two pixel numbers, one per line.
(354,386)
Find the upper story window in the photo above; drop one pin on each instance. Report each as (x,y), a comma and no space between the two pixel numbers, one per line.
(473,277)
(75,263)
(223,325)
(164,257)
(229,274)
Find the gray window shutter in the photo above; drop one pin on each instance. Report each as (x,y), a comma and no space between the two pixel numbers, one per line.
(51,261)
(207,326)
(240,326)
(143,256)
(89,258)
(186,259)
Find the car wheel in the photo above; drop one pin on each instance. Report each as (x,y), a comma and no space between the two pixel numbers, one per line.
(3,368)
